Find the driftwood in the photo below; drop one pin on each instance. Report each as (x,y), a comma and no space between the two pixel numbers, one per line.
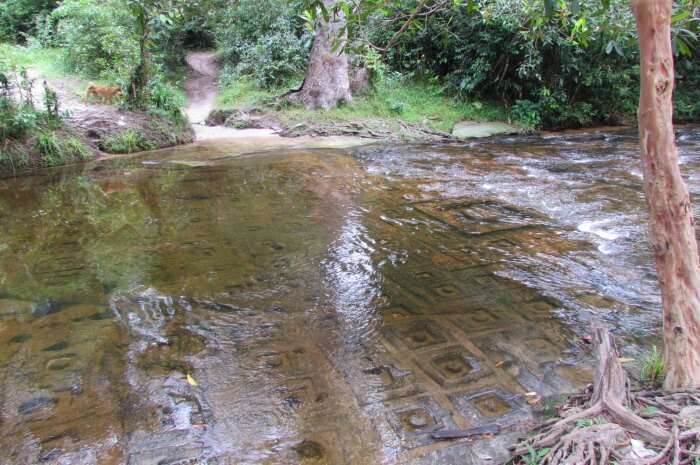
(597,426)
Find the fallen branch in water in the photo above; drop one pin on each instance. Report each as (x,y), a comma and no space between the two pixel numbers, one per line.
(599,426)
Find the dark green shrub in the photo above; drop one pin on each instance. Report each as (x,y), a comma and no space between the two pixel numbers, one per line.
(570,70)
(97,38)
(48,146)
(262,39)
(18,18)
(165,97)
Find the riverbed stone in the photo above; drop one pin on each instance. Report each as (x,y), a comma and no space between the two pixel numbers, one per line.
(36,404)
(59,363)
(472,129)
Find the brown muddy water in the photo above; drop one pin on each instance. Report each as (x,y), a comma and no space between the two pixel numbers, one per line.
(315,306)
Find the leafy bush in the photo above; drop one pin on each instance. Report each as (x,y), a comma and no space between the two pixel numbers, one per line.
(48,146)
(18,18)
(577,67)
(687,92)
(97,38)
(76,149)
(165,97)
(264,40)
(57,148)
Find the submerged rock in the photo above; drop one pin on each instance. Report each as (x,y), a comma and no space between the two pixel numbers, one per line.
(471,129)
(46,307)
(35,405)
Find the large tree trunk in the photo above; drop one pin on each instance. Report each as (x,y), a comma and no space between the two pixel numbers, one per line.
(671,225)
(327,81)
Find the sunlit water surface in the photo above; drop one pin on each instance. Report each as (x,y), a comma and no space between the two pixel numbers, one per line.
(319,306)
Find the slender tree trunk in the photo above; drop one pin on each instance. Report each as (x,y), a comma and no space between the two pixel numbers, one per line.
(327,81)
(139,78)
(672,229)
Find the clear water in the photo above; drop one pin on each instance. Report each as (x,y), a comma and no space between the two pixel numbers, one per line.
(315,306)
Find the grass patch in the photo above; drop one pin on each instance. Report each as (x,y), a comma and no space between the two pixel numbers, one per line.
(48,146)
(243,93)
(653,369)
(46,61)
(129,141)
(413,102)
(55,148)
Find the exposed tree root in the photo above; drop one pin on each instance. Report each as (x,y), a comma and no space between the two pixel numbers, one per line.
(597,426)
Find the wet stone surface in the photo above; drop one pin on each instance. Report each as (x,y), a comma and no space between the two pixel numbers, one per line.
(315,307)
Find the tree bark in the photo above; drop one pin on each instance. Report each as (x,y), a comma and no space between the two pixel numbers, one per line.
(327,81)
(671,224)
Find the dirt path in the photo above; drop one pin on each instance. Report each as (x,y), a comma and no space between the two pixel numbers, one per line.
(201,88)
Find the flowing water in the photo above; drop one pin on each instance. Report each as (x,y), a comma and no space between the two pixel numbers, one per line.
(315,306)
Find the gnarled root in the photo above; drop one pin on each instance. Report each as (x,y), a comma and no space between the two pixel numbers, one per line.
(598,425)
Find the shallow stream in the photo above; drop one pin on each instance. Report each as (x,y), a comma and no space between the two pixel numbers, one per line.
(315,306)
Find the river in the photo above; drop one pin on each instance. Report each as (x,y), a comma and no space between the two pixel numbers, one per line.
(316,306)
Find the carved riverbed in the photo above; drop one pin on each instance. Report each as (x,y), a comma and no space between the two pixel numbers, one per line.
(315,306)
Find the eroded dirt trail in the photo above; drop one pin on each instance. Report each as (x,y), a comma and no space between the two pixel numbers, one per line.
(201,87)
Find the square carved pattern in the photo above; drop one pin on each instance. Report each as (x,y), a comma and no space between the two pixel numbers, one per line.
(431,285)
(480,217)
(417,334)
(539,309)
(453,367)
(387,382)
(489,405)
(486,319)
(413,420)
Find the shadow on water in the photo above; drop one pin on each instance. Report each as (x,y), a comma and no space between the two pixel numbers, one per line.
(315,306)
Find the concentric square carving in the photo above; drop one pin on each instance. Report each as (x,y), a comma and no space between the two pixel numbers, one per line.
(453,367)
(490,405)
(387,382)
(415,419)
(479,217)
(417,334)
(485,319)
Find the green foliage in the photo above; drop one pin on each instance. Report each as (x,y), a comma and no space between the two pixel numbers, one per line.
(97,38)
(264,40)
(570,70)
(653,369)
(57,148)
(51,105)
(650,410)
(165,97)
(117,40)
(16,122)
(558,64)
(18,117)
(18,18)
(394,98)
(48,146)
(129,141)
(75,149)
(534,456)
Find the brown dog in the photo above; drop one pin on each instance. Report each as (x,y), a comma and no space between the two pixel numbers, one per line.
(106,94)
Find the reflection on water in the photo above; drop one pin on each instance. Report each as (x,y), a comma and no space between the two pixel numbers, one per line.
(315,307)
